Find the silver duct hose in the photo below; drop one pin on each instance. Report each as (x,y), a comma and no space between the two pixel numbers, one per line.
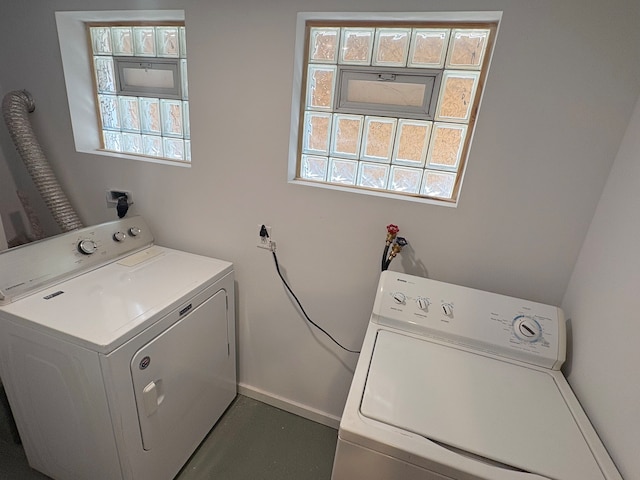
(16,106)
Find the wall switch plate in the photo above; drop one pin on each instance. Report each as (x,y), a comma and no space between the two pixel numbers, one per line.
(264,242)
(114,194)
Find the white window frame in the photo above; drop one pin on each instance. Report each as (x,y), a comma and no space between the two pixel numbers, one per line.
(298,75)
(76,62)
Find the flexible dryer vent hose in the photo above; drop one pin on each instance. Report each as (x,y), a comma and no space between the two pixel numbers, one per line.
(16,106)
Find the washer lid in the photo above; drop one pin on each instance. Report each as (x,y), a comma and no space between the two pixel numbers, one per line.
(500,411)
(105,307)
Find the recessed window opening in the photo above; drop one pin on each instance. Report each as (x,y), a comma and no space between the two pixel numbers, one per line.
(141,88)
(389,106)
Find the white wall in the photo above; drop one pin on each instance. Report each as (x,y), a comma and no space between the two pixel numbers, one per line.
(558,99)
(7,202)
(602,304)
(8,199)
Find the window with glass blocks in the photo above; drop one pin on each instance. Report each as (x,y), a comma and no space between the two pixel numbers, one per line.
(141,87)
(391,107)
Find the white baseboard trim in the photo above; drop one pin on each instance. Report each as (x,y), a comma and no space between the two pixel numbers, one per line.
(289,406)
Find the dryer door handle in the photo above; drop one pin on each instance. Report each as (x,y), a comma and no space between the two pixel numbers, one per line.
(150,398)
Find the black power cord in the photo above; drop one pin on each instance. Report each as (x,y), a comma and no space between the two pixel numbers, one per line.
(275,259)
(122,206)
(264,233)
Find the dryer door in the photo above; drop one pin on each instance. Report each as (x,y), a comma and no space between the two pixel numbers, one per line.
(182,378)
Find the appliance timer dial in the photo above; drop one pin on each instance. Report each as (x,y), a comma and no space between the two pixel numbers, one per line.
(527,328)
(87,247)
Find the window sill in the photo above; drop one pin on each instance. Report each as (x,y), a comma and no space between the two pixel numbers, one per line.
(376,193)
(139,158)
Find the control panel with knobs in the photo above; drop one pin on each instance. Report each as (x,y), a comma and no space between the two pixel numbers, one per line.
(70,252)
(506,326)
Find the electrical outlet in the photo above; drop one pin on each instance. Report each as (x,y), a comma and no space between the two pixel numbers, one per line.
(114,195)
(264,242)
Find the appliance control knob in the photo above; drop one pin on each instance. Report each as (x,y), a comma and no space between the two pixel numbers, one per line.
(398,297)
(526,328)
(423,303)
(447,309)
(119,236)
(134,231)
(87,247)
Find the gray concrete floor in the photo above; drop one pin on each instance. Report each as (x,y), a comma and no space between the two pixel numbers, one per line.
(252,441)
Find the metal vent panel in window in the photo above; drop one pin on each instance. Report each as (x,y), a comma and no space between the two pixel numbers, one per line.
(404,93)
(148,77)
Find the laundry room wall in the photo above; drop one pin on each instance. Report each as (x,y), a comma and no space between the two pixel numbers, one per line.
(8,200)
(602,304)
(13,178)
(558,99)
(13,220)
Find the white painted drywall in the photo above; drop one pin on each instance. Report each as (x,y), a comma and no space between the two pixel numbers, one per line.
(7,202)
(559,97)
(7,199)
(603,305)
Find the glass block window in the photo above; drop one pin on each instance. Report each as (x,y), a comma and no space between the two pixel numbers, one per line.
(390,106)
(141,86)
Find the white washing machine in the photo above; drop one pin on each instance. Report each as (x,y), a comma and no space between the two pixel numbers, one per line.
(117,355)
(455,383)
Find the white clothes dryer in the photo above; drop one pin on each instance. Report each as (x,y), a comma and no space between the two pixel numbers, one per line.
(117,355)
(459,384)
